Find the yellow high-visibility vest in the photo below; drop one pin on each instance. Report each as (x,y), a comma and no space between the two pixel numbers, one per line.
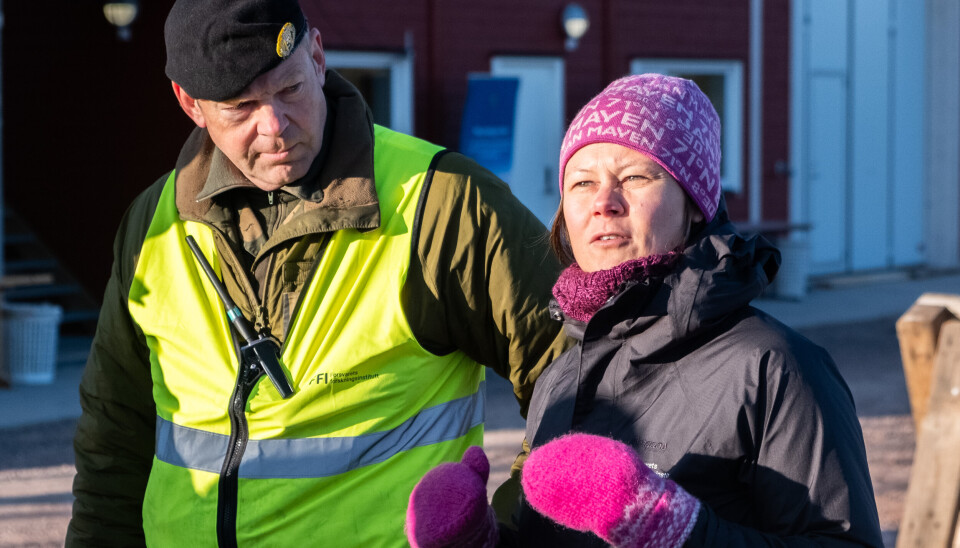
(372,411)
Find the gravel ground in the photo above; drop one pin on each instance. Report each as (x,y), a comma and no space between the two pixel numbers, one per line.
(36,462)
(890,446)
(36,472)
(868,356)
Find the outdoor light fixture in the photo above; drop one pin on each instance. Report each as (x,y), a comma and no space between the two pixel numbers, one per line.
(575,24)
(121,13)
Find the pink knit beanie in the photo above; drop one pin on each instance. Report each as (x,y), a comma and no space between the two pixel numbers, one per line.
(667,118)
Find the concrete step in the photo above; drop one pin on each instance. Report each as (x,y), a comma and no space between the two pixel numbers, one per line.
(43,291)
(21,266)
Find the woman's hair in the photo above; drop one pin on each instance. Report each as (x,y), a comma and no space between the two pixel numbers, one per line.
(560,237)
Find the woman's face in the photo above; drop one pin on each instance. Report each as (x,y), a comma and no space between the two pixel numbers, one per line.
(619,205)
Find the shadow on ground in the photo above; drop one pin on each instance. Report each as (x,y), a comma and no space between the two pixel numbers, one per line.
(37,446)
(868,355)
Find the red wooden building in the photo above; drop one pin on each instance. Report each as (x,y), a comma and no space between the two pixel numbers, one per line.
(89,119)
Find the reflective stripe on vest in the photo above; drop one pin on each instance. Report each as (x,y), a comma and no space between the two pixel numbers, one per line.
(371,413)
(319,457)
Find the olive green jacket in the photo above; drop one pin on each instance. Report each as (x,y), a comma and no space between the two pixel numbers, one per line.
(479,282)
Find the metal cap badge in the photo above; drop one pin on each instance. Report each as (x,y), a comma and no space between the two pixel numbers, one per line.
(285,40)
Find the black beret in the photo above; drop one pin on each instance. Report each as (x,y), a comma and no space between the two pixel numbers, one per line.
(216,48)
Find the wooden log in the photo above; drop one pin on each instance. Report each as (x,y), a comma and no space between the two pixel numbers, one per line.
(933,495)
(917,332)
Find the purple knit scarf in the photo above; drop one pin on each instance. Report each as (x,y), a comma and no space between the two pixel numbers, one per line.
(580,294)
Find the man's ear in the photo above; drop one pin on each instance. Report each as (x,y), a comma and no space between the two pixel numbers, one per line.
(317,54)
(189,105)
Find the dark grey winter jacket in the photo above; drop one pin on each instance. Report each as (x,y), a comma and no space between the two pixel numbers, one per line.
(740,410)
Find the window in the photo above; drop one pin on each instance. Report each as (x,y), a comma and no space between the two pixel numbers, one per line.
(384,79)
(374,85)
(722,82)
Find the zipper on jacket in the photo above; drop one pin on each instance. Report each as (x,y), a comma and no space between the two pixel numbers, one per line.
(247,378)
(244,280)
(260,321)
(262,310)
(280,217)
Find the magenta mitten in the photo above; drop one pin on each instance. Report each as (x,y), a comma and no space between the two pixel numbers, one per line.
(593,483)
(448,507)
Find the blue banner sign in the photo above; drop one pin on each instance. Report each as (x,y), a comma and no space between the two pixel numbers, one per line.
(486,133)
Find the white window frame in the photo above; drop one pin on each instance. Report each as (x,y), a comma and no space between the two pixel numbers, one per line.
(731,178)
(400,66)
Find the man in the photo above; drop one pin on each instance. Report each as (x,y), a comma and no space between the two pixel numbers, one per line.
(388,270)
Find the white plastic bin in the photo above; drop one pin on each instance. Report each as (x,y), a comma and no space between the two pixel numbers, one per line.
(791,281)
(30,333)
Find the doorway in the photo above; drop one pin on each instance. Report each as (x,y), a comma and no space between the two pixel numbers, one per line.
(857,132)
(538,130)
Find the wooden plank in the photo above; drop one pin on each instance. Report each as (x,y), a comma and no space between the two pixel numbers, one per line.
(917,331)
(933,496)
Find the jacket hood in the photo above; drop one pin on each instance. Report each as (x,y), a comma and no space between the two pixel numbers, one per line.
(719,273)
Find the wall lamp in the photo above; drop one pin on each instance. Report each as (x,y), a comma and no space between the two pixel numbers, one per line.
(575,24)
(121,13)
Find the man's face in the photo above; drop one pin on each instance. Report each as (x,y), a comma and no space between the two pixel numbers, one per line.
(273,130)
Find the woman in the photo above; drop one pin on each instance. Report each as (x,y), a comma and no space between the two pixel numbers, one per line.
(683,416)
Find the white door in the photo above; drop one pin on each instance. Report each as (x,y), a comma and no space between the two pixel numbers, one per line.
(908,121)
(826,139)
(857,132)
(538,130)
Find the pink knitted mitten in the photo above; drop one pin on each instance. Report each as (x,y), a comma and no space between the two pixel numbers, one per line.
(448,507)
(593,483)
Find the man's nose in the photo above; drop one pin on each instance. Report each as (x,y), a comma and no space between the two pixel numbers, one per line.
(272,119)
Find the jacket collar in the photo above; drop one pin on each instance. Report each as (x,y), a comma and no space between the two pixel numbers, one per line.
(338,191)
